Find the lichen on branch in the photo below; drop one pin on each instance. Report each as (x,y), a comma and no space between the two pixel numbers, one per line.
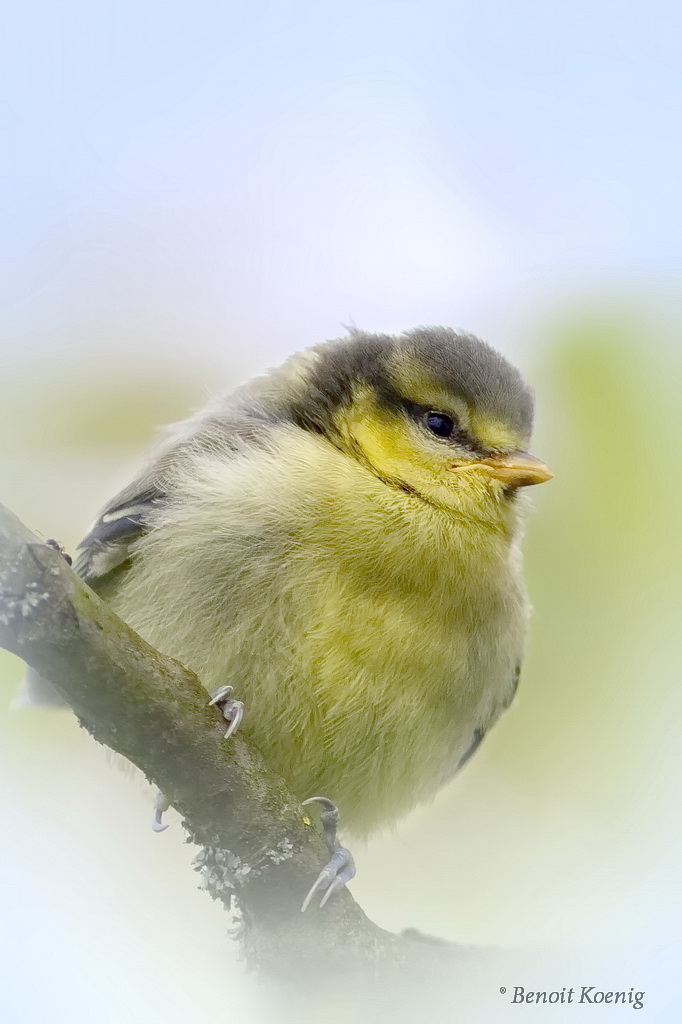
(257,841)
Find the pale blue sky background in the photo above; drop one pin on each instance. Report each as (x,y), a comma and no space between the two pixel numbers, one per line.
(209,176)
(211,185)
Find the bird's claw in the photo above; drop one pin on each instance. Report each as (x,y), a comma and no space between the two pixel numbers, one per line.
(332,877)
(341,866)
(233,710)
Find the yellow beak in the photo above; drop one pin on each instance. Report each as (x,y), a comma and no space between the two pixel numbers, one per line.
(520,469)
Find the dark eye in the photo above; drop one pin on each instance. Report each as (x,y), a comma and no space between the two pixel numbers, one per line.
(440,424)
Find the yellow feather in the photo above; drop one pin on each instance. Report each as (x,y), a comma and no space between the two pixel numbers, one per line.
(368,632)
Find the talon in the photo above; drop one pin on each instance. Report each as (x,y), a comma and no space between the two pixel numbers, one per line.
(341,867)
(233,710)
(329,805)
(160,806)
(336,884)
(236,713)
(313,889)
(222,693)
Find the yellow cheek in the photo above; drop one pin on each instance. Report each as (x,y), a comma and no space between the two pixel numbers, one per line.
(386,441)
(394,457)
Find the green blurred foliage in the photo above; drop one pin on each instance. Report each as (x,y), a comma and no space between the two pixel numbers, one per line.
(603,566)
(64,407)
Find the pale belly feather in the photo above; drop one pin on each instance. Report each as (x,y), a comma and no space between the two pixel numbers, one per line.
(397,690)
(366,648)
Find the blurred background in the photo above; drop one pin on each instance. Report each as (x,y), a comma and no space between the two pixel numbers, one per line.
(191,192)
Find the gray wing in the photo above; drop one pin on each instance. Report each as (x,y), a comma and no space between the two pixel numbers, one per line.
(222,429)
(107,545)
(107,548)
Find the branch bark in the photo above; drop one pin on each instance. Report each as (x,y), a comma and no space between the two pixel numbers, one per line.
(257,841)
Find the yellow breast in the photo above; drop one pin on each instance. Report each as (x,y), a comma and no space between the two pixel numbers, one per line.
(368,633)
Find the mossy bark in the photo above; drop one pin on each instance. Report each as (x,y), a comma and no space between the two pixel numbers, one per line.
(258,842)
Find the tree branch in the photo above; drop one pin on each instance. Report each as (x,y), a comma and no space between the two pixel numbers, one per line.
(257,840)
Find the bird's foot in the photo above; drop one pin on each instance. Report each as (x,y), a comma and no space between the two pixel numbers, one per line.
(341,866)
(233,712)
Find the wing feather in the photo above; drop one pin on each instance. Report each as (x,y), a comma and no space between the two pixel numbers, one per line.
(107,545)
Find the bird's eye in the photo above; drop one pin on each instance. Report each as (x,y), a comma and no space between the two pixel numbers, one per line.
(440,424)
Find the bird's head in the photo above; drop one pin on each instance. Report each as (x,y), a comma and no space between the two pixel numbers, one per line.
(434,412)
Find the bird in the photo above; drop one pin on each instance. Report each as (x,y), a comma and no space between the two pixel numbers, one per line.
(338,544)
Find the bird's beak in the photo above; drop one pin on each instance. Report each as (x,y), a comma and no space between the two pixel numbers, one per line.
(520,469)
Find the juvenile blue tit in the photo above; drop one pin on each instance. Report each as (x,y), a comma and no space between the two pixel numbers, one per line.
(339,541)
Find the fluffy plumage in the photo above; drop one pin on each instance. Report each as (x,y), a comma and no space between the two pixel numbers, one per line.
(308,541)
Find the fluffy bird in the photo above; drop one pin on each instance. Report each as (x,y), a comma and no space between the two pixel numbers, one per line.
(339,541)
